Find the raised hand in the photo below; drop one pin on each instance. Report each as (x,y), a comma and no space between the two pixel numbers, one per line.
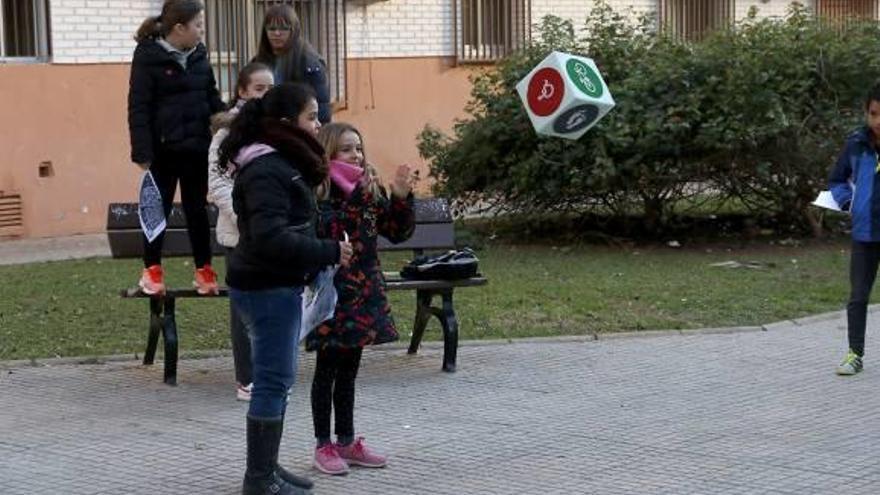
(401,186)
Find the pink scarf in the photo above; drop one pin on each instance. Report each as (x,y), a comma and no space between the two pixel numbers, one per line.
(346,176)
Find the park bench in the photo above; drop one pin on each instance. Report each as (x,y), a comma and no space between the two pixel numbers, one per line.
(434,231)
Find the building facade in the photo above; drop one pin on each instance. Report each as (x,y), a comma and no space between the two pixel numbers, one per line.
(396,66)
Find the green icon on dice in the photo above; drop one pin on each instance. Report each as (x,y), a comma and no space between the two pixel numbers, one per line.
(584,78)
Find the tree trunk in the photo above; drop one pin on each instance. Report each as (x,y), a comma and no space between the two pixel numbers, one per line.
(653,214)
(814,218)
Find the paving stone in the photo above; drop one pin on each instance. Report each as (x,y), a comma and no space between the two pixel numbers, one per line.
(718,412)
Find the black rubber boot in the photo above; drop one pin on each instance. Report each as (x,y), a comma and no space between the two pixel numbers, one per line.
(294,479)
(261,477)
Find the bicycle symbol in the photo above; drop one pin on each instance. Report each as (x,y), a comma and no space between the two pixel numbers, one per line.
(581,71)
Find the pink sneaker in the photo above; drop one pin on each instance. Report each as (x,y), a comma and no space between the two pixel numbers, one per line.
(327,460)
(358,454)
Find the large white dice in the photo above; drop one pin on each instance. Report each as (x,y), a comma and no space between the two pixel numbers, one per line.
(565,95)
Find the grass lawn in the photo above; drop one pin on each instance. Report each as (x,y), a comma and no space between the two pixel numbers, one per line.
(72,308)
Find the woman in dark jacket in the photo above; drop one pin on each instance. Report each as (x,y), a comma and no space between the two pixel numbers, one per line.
(171,98)
(276,161)
(292,57)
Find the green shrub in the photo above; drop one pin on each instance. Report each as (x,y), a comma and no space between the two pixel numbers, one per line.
(756,113)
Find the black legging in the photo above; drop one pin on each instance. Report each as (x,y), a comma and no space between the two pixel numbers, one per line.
(864,259)
(191,169)
(333,387)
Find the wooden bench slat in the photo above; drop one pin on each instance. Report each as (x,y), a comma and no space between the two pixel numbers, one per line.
(136,292)
(129,243)
(392,283)
(404,284)
(425,236)
(122,216)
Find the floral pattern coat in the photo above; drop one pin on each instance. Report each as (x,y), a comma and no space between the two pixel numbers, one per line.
(363,315)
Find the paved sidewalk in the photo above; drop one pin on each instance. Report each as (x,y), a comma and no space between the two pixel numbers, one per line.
(735,413)
(17,251)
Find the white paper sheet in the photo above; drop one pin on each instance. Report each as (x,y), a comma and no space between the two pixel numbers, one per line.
(150,211)
(826,200)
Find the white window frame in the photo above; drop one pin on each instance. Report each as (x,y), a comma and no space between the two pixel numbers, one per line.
(41,34)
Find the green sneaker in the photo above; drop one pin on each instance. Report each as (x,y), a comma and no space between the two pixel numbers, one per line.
(851,364)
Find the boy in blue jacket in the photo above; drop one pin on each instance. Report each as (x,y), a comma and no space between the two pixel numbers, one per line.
(852,184)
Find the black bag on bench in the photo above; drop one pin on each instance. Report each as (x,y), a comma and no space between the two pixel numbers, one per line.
(451,265)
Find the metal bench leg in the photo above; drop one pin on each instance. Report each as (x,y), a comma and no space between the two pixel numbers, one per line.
(155,328)
(423,314)
(170,337)
(450,333)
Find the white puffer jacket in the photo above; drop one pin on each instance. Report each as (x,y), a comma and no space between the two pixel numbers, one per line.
(220,193)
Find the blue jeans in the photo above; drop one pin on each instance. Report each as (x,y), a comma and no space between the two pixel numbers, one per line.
(272,318)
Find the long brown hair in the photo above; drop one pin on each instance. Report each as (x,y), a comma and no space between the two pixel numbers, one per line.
(292,62)
(174,12)
(329,136)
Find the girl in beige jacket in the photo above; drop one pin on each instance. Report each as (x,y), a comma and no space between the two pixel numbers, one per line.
(253,81)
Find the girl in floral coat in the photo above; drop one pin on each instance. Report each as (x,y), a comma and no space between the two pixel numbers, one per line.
(353,203)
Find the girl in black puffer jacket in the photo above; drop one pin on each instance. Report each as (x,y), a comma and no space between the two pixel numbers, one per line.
(172,95)
(276,162)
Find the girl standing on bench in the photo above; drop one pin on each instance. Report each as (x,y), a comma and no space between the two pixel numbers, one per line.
(276,161)
(253,82)
(172,95)
(353,201)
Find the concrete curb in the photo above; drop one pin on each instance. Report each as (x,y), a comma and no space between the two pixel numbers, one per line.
(823,317)
(112,358)
(396,346)
(438,344)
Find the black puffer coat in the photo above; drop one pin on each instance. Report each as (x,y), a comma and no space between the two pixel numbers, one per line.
(169,107)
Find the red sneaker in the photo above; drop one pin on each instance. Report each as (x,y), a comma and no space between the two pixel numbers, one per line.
(206,281)
(151,281)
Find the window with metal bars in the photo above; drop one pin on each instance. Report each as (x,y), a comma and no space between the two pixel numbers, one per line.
(694,19)
(232,35)
(24,29)
(487,30)
(842,11)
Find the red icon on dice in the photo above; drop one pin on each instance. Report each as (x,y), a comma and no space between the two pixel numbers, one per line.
(546,91)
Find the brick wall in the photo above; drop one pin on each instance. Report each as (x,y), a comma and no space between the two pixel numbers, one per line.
(412,28)
(400,28)
(578,10)
(773,8)
(95,31)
